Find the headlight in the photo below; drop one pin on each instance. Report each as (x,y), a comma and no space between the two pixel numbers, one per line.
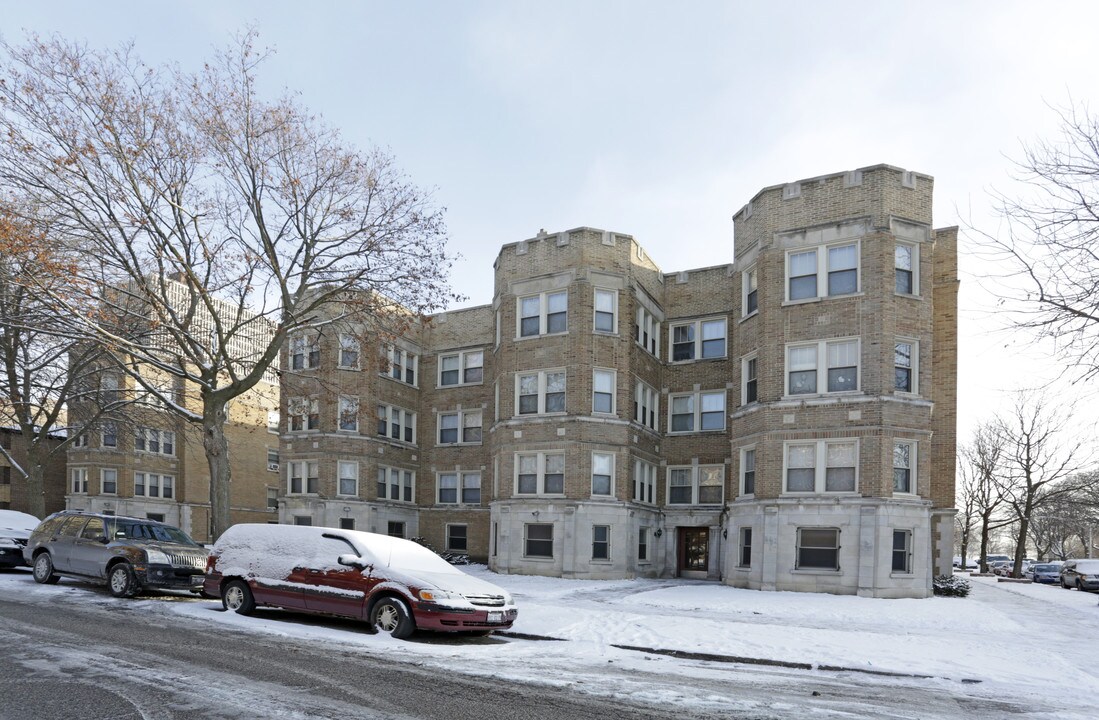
(157,557)
(437,595)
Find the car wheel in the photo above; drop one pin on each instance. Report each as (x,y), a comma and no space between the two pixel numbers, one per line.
(1064,585)
(121,581)
(1079,585)
(43,570)
(237,596)
(390,615)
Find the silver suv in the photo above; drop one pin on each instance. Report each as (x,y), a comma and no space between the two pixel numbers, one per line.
(129,554)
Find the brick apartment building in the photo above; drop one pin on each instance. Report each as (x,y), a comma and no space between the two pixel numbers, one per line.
(783,422)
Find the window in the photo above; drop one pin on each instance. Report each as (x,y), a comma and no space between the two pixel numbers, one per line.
(349,413)
(647,332)
(906,261)
(902,551)
(602,473)
(110,434)
(396,423)
(543,314)
(154,441)
(837,273)
(601,542)
(745,547)
(396,484)
(109,385)
(806,474)
(831,364)
(540,392)
(698,339)
(153,485)
(457,538)
(108,479)
(748,471)
(696,485)
(305,353)
(540,473)
(606,311)
(646,405)
(400,365)
(80,441)
(273,421)
(750,300)
(694,412)
(461,368)
(395,529)
(644,482)
(905,362)
(904,462)
(349,352)
(456,487)
(602,398)
(303,477)
(303,520)
(347,523)
(347,482)
(538,540)
(79,478)
(272,459)
(304,414)
(749,392)
(460,428)
(158,517)
(818,549)
(272,498)
(642,544)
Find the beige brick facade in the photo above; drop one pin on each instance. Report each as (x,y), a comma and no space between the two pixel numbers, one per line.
(586,343)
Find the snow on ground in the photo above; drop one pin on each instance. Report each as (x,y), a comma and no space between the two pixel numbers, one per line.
(1025,644)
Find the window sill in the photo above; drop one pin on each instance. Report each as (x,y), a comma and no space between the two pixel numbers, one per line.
(819,298)
(538,558)
(347,367)
(539,415)
(677,433)
(522,338)
(903,576)
(443,387)
(749,316)
(838,394)
(459,444)
(797,494)
(607,563)
(529,496)
(692,361)
(816,571)
(743,568)
(910,296)
(402,382)
(604,333)
(705,506)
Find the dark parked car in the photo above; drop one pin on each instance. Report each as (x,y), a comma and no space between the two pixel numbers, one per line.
(396,585)
(1046,573)
(15,528)
(130,554)
(1080,574)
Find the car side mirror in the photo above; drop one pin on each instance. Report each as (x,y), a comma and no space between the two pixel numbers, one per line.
(350,560)
(103,539)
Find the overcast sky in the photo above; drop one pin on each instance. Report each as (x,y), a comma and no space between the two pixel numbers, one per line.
(656,119)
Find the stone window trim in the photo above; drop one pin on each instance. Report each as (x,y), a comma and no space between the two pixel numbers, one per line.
(466,427)
(906,269)
(347,478)
(461,367)
(696,412)
(303,477)
(901,552)
(644,482)
(834,364)
(399,424)
(602,473)
(605,312)
(647,406)
(347,414)
(749,292)
(396,485)
(305,351)
(647,332)
(817,549)
(749,379)
(821,467)
(692,485)
(548,389)
(604,391)
(824,271)
(458,487)
(539,474)
(905,463)
(697,340)
(350,352)
(400,365)
(152,441)
(906,366)
(540,314)
(747,471)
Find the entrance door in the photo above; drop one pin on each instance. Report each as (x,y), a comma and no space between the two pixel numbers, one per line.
(694,551)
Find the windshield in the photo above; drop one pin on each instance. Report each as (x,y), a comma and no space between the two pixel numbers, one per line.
(130,529)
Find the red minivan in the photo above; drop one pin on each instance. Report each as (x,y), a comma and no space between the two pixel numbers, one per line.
(398,586)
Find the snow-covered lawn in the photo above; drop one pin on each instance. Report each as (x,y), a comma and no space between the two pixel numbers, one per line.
(1028,645)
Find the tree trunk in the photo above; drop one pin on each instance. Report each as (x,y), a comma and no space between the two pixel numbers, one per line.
(984,544)
(217,457)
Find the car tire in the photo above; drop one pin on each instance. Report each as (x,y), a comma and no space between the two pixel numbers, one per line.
(43,570)
(1064,586)
(237,596)
(121,581)
(391,615)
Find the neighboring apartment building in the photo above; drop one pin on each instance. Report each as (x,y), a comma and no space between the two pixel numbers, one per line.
(13,486)
(784,422)
(146,461)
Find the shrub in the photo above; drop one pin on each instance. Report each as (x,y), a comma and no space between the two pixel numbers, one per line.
(950,586)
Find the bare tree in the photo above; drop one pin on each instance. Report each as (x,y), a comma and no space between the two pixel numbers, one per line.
(1041,459)
(982,463)
(214,222)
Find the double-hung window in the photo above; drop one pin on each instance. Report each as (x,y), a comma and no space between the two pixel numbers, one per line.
(749,384)
(303,476)
(647,406)
(108,481)
(400,365)
(538,540)
(461,427)
(818,549)
(602,474)
(696,485)
(543,314)
(830,364)
(109,436)
(396,423)
(822,466)
(906,262)
(457,537)
(606,311)
(153,485)
(748,471)
(540,473)
(697,412)
(644,482)
(602,395)
(698,339)
(904,466)
(642,544)
(109,389)
(601,542)
(750,299)
(745,559)
(305,353)
(304,413)
(349,352)
(461,368)
(396,484)
(905,364)
(459,488)
(79,478)
(349,413)
(647,331)
(831,268)
(902,552)
(347,483)
(540,392)
(151,440)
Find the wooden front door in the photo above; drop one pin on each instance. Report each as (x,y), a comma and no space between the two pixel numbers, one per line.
(694,551)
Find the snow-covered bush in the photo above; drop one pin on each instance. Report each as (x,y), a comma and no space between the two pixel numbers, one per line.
(950,586)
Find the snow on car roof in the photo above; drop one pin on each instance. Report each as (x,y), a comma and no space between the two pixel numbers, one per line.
(15,520)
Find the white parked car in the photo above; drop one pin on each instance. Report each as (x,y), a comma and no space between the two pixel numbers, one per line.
(15,528)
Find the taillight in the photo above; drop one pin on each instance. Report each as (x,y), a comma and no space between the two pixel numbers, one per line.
(210,562)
